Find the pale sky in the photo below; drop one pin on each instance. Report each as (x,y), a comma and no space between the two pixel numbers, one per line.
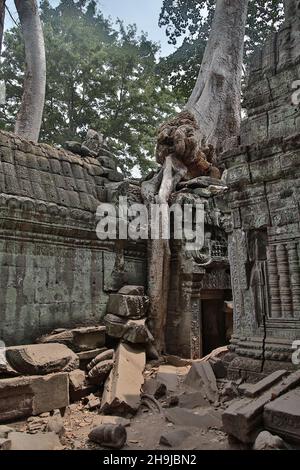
(145,13)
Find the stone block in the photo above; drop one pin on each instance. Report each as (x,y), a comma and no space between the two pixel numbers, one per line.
(201,377)
(78,339)
(244,418)
(253,390)
(132,290)
(282,416)
(154,387)
(40,359)
(38,441)
(25,396)
(123,387)
(266,441)
(129,306)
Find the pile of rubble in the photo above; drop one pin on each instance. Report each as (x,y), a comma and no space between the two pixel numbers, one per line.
(104,369)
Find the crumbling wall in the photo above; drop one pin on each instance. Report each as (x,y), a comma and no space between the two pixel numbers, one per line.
(54,271)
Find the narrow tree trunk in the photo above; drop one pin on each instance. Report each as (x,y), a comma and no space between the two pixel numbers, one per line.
(216,98)
(2,16)
(29,119)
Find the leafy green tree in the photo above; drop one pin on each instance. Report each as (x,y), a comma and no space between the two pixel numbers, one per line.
(191,20)
(98,76)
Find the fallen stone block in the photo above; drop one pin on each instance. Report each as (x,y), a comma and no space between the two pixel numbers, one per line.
(244,418)
(218,367)
(253,390)
(87,356)
(79,387)
(122,389)
(155,388)
(174,438)
(132,290)
(100,371)
(4,431)
(172,376)
(40,359)
(92,402)
(115,326)
(137,332)
(5,444)
(201,377)
(282,416)
(32,395)
(38,441)
(266,441)
(203,419)
(128,306)
(113,436)
(103,356)
(78,339)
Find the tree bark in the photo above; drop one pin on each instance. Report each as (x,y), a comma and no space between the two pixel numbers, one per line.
(216,98)
(29,119)
(186,145)
(2,16)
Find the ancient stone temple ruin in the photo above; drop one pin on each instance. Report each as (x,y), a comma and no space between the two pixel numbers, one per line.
(263,175)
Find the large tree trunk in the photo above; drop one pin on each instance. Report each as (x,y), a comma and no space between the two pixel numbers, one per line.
(216,98)
(212,115)
(2,16)
(29,119)
(290,8)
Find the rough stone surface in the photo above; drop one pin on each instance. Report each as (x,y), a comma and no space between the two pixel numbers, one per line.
(25,396)
(129,306)
(244,418)
(203,419)
(56,424)
(266,441)
(132,290)
(154,387)
(122,395)
(78,339)
(40,359)
(55,272)
(282,416)
(174,438)
(252,390)
(201,377)
(38,441)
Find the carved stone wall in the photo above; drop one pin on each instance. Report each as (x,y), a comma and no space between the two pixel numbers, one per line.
(54,271)
(263,176)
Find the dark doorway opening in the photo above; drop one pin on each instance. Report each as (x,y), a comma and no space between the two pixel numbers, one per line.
(213,325)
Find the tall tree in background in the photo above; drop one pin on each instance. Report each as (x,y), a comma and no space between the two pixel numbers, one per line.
(2,16)
(187,143)
(29,119)
(192,20)
(98,75)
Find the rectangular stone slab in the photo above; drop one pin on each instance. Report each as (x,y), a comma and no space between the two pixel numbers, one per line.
(25,396)
(202,377)
(122,389)
(244,418)
(253,390)
(282,416)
